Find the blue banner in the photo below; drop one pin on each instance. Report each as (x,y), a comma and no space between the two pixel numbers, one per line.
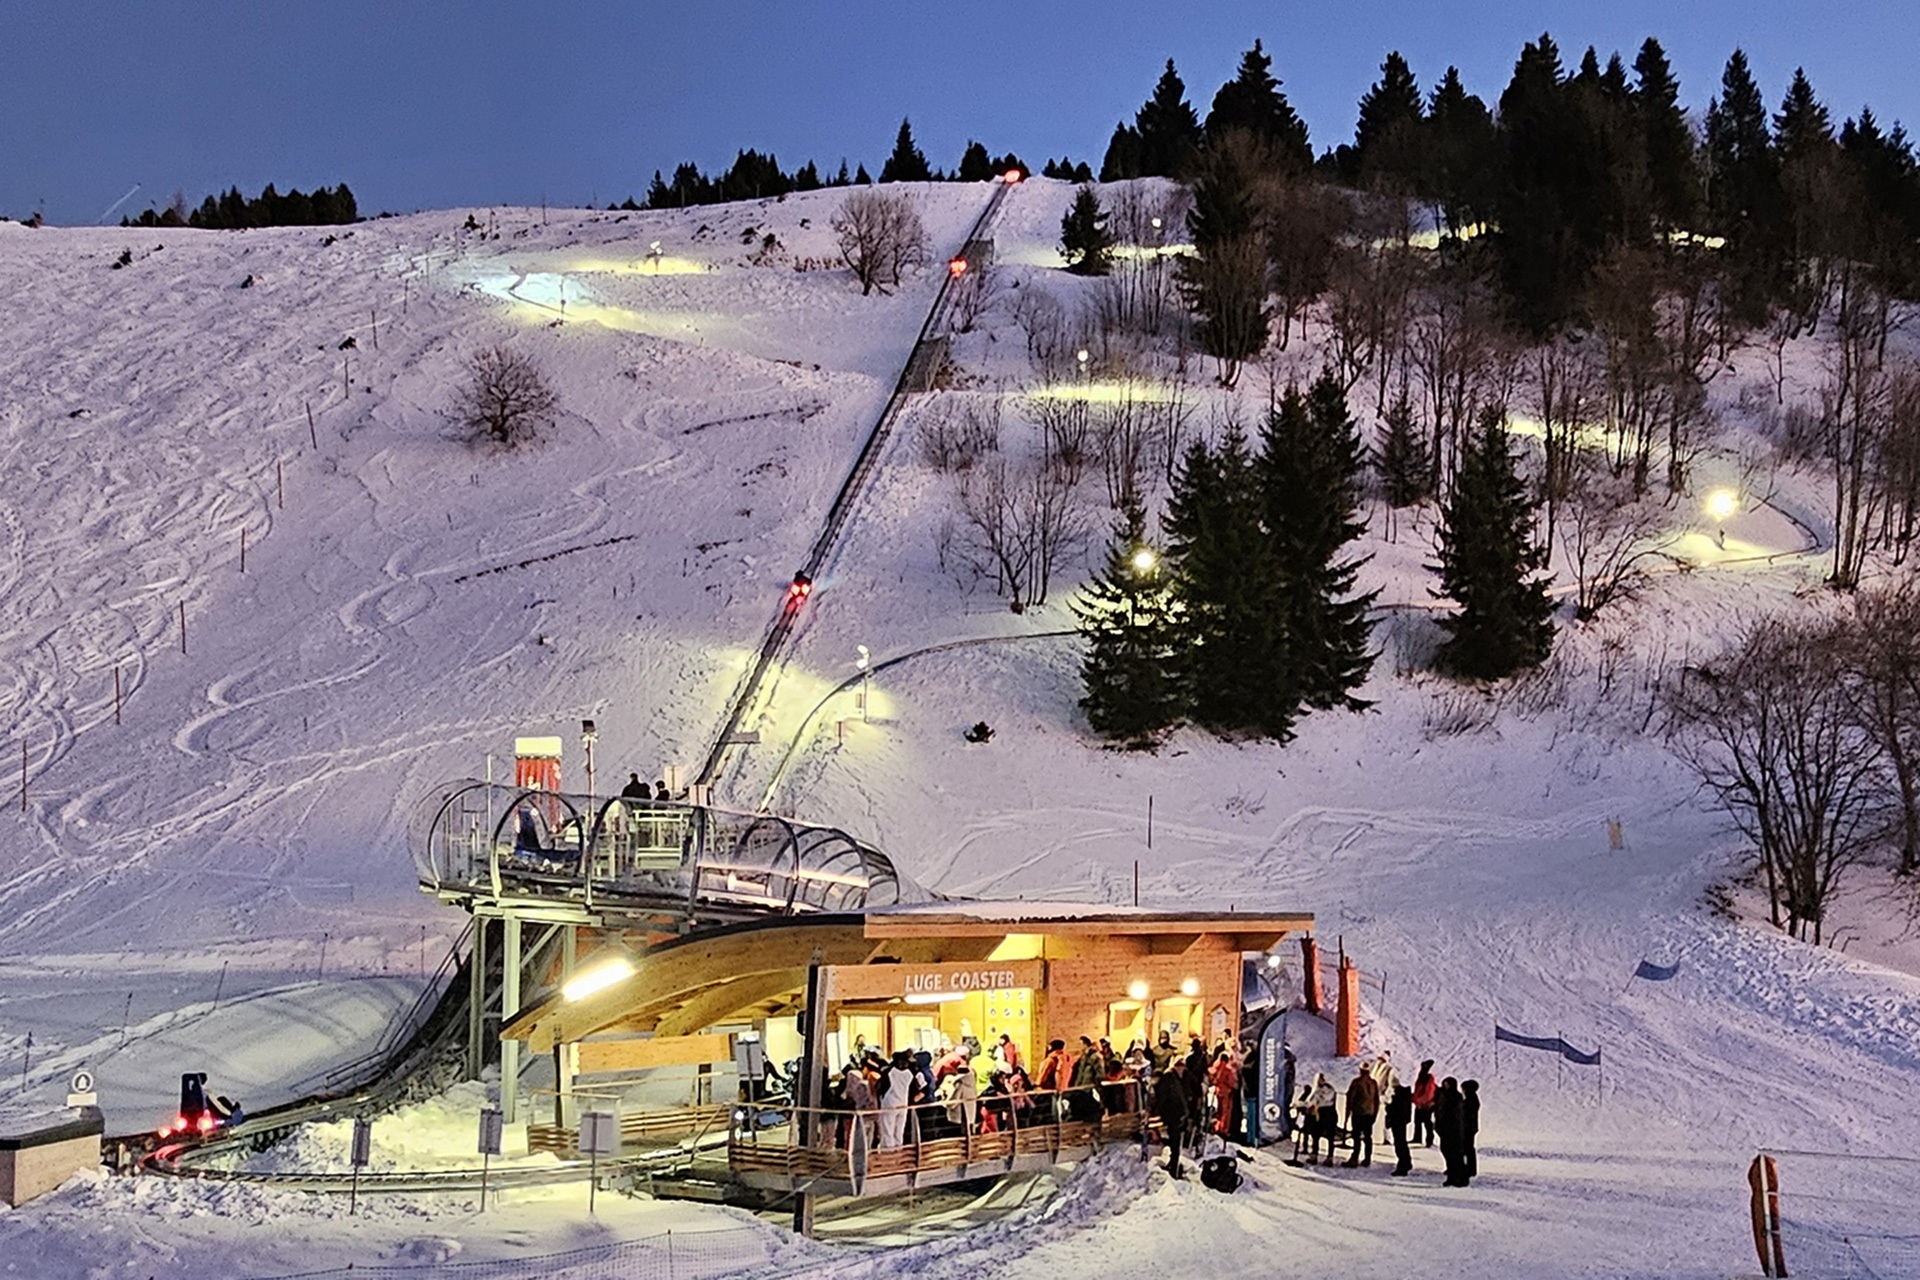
(1549,1044)
(1272,1120)
(1655,972)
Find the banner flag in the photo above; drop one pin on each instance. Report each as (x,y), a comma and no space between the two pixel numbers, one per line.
(1550,1044)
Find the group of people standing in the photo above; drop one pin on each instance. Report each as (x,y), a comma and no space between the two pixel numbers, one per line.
(1437,1109)
(912,1095)
(918,1095)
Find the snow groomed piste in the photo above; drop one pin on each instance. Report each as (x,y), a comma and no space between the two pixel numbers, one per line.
(500,851)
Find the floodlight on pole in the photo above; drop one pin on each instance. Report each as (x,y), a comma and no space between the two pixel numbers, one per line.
(1145,560)
(1723,504)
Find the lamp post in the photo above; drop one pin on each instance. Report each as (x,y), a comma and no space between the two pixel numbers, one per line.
(589,735)
(866,679)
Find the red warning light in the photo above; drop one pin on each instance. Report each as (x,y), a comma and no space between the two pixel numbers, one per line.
(802,588)
(957,268)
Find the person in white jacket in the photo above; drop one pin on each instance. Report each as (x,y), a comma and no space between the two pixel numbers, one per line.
(1319,1115)
(963,1106)
(894,1102)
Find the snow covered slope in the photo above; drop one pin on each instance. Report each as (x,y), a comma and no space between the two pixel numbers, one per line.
(416,603)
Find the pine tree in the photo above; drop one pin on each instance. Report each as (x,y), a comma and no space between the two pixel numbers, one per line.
(1556,198)
(1234,663)
(1743,187)
(1667,142)
(806,177)
(1225,278)
(1403,454)
(1488,563)
(1458,163)
(1387,140)
(842,178)
(1126,615)
(975,164)
(1169,131)
(1084,238)
(861,178)
(1251,102)
(1309,469)
(907,163)
(1123,155)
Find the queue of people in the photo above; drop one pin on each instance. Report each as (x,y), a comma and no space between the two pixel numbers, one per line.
(919,1095)
(1442,1110)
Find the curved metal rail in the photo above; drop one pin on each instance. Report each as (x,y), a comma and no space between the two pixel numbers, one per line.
(479,838)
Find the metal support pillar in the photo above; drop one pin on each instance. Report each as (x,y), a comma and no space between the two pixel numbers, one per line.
(477,1000)
(569,951)
(813,1059)
(509,1006)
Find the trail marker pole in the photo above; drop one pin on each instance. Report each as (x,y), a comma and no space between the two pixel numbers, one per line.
(492,1128)
(125,1014)
(243,548)
(26,1061)
(116,693)
(183,626)
(362,1154)
(1149,822)
(1136,882)
(280,482)
(23,776)
(220,986)
(312,435)
(321,976)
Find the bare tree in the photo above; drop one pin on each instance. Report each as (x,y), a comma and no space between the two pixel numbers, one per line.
(1607,533)
(880,236)
(1303,222)
(1856,407)
(505,399)
(1563,388)
(1775,738)
(1622,302)
(1882,659)
(1451,348)
(1022,519)
(954,438)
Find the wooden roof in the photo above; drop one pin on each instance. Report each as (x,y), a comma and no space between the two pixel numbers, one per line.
(759,969)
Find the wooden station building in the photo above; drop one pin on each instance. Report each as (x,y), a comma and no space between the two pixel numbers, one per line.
(909,978)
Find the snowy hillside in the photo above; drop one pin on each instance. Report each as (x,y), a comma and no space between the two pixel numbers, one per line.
(410,604)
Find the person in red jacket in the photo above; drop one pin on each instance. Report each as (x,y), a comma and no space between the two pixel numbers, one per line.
(1426,1091)
(1055,1070)
(1225,1079)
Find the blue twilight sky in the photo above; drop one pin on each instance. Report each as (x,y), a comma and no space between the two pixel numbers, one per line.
(437,104)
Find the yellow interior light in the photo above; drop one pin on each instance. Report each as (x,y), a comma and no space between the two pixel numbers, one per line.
(598,976)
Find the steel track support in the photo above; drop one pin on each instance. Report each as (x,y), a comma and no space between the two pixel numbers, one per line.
(509,1006)
(477,1000)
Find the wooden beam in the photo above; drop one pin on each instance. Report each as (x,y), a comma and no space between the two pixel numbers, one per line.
(704,1008)
(660,1051)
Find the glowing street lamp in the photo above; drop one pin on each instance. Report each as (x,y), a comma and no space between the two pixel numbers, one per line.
(600,974)
(1145,560)
(1723,504)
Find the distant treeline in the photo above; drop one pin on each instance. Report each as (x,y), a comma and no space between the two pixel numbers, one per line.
(1572,164)
(754,176)
(322,207)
